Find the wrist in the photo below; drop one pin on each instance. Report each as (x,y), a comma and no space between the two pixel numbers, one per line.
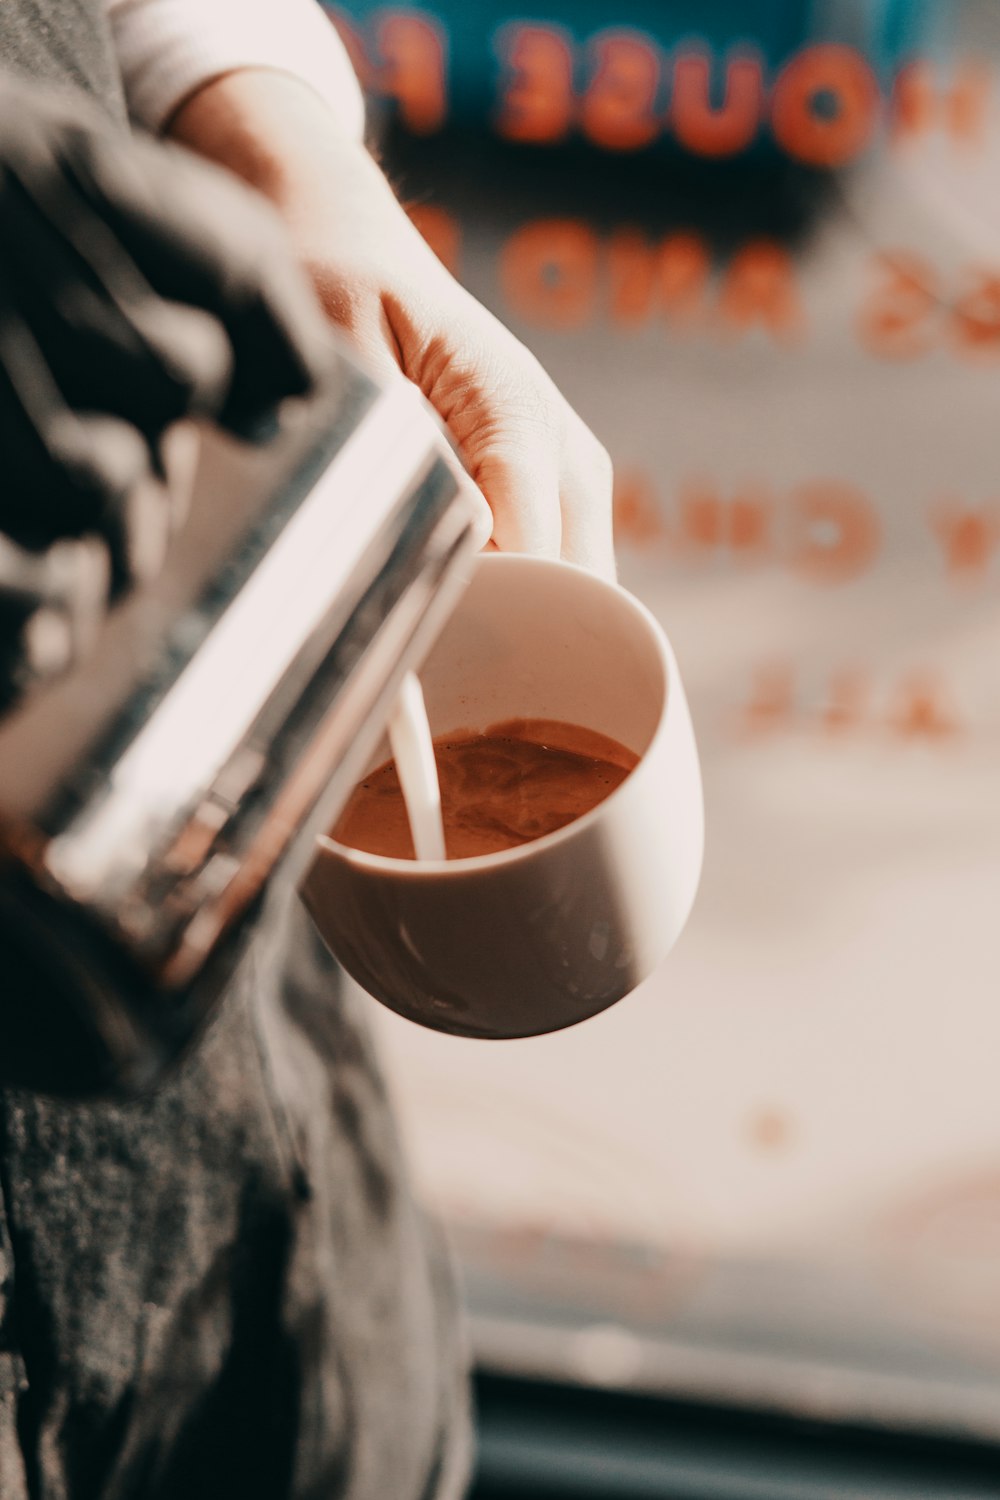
(276,134)
(267,127)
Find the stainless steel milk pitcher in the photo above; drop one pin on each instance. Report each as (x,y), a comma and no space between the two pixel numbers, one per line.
(147,800)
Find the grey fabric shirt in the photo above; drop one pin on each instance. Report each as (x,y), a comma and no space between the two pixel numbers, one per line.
(62,42)
(223,1289)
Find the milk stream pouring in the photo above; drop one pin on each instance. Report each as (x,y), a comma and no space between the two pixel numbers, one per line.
(147,800)
(413,753)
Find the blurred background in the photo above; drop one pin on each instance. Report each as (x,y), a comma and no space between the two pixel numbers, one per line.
(740,1236)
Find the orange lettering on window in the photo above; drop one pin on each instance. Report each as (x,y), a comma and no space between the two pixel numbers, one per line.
(353,46)
(548,272)
(771,703)
(413,51)
(631,276)
(441,231)
(920,103)
(700,518)
(618,108)
(845,706)
(835,532)
(673,275)
(710,131)
(759,287)
(921,710)
(975,320)
(825,105)
(707,521)
(638,522)
(749,523)
(968,538)
(536,102)
(897,319)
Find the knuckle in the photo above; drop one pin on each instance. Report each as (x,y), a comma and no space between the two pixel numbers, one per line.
(601,464)
(598,458)
(531,401)
(590,453)
(511,380)
(348,302)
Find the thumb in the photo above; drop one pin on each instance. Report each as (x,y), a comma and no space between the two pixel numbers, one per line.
(375,355)
(479,506)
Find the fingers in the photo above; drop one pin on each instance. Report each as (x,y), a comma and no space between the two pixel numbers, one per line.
(548,482)
(137,289)
(90,478)
(200,238)
(546,478)
(138,242)
(518,472)
(67,475)
(586,500)
(110,342)
(111,470)
(180,452)
(482,515)
(369,325)
(50,608)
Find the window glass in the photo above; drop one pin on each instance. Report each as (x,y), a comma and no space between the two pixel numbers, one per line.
(758,247)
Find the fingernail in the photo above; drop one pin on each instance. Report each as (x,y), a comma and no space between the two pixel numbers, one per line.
(147,529)
(47,643)
(80,584)
(180,451)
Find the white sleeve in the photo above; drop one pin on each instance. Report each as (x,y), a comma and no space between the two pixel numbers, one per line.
(167,48)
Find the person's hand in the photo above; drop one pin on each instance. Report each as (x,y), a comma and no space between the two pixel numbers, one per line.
(138,287)
(546,477)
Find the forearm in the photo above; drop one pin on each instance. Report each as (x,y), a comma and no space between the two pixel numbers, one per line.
(346,225)
(546,480)
(275,132)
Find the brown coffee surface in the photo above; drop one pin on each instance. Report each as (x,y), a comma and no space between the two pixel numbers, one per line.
(512,783)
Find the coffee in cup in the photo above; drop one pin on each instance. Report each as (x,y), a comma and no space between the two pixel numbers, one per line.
(500,787)
(530,937)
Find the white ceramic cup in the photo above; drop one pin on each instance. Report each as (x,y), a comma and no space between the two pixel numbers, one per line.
(534,938)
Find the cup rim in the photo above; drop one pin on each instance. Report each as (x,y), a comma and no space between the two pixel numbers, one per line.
(415,869)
